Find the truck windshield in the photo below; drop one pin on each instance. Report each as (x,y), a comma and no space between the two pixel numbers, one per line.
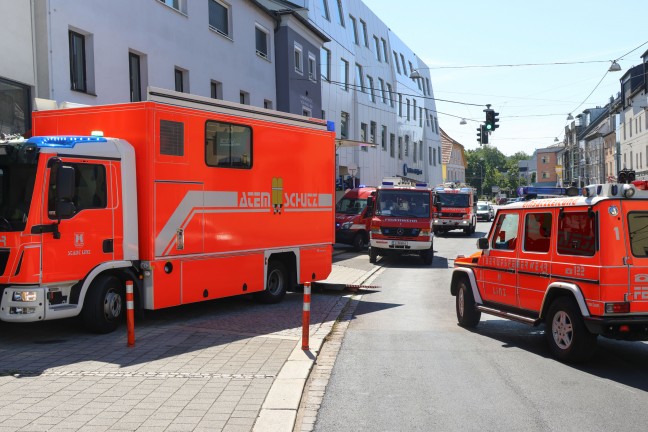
(403,203)
(454,199)
(18,164)
(351,206)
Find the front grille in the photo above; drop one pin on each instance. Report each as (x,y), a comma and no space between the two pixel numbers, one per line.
(400,232)
(4,258)
(453,215)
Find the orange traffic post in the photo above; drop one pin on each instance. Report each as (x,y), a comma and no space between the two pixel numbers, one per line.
(130,313)
(306,316)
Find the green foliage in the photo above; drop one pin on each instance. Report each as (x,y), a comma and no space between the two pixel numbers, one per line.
(488,167)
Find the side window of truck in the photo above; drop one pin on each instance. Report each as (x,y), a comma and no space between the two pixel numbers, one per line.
(505,233)
(228,145)
(90,188)
(638,228)
(537,232)
(577,233)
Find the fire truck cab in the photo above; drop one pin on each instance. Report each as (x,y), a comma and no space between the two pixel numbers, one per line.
(456,208)
(352,218)
(577,263)
(401,220)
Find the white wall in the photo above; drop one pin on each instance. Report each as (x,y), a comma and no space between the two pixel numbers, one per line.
(17,62)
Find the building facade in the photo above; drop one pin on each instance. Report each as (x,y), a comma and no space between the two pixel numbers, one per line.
(633,127)
(453,159)
(546,161)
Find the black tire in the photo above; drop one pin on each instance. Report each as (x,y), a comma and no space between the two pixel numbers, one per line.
(104,306)
(467,315)
(568,338)
(373,255)
(427,256)
(276,284)
(358,242)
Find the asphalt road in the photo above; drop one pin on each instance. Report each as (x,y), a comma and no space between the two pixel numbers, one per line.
(405,365)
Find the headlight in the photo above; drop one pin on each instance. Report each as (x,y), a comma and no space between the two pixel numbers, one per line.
(24,296)
(346,225)
(375,230)
(425,232)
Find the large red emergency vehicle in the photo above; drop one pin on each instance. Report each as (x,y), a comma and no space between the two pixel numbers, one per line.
(579,264)
(194,199)
(456,208)
(401,220)
(352,218)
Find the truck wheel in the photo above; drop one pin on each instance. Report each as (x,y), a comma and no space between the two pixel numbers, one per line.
(568,338)
(467,315)
(358,242)
(104,304)
(427,256)
(276,284)
(373,255)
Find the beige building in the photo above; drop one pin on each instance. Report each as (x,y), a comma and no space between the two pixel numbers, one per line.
(453,159)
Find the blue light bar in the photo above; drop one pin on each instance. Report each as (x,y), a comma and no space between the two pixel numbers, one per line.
(63,141)
(555,191)
(388,183)
(440,188)
(465,190)
(421,184)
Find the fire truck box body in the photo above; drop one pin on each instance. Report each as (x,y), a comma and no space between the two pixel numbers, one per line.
(195,199)
(458,208)
(401,221)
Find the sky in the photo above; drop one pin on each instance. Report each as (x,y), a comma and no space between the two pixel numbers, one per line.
(533,102)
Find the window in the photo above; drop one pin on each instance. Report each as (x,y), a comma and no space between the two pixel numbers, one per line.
(545,175)
(372,132)
(392,144)
(261,36)
(344,75)
(15,100)
(429,89)
(414,111)
(577,233)
(312,67)
(90,191)
(244,97)
(267,104)
(216,90)
(427,118)
(344,125)
(390,94)
(439,155)
(359,80)
(365,37)
(325,9)
(340,13)
(377,46)
(411,69)
(404,65)
(77,62)
(421,150)
(363,132)
(383,94)
(505,232)
(372,95)
(384,49)
(179,5)
(433,157)
(408,109)
(407,142)
(383,137)
(415,153)
(396,62)
(400,105)
(354,30)
(228,145)
(179,80)
(325,64)
(171,138)
(306,112)
(299,61)
(420,117)
(134,77)
(638,223)
(400,147)
(219,17)
(537,232)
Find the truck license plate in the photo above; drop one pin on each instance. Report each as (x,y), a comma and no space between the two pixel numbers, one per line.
(400,243)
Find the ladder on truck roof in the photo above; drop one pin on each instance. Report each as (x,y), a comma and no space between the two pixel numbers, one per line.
(185,100)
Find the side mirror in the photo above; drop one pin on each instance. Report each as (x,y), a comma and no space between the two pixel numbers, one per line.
(482,243)
(370,207)
(438,206)
(65,186)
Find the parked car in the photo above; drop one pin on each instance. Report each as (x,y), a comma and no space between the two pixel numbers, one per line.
(485,211)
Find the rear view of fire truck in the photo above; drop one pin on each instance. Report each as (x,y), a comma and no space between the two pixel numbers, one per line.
(402,220)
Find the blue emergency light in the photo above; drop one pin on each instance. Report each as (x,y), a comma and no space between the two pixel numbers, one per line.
(63,141)
(388,183)
(533,191)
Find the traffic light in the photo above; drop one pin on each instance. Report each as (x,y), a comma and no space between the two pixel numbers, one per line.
(491,119)
(482,135)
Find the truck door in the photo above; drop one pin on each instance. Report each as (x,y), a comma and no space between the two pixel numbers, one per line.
(80,242)
(499,271)
(636,217)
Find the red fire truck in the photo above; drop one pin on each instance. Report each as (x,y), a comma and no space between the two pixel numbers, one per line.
(401,220)
(456,208)
(194,199)
(352,218)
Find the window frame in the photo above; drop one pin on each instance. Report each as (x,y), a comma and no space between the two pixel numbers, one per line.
(78,61)
(228,18)
(258,28)
(298,58)
(249,165)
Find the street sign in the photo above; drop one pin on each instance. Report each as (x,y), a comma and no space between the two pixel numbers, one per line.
(495,189)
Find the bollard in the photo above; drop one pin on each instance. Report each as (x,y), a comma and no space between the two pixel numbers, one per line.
(130,314)
(306,316)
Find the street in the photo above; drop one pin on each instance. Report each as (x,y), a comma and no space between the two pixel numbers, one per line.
(405,364)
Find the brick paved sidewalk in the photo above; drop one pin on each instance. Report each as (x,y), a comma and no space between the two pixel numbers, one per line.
(207,367)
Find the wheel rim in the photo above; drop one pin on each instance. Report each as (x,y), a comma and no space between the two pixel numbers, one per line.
(358,242)
(112,305)
(461,301)
(562,330)
(275,282)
